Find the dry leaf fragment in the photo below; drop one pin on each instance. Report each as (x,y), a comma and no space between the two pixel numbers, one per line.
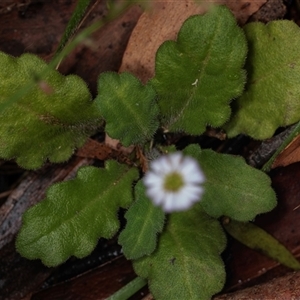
(243,9)
(104,151)
(289,155)
(94,149)
(286,287)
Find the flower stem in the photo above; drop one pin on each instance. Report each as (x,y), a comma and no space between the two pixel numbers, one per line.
(129,289)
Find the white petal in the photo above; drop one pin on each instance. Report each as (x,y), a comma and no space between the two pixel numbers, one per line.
(175,160)
(196,178)
(162,165)
(155,192)
(152,179)
(191,171)
(192,193)
(179,203)
(168,204)
(155,166)
(164,197)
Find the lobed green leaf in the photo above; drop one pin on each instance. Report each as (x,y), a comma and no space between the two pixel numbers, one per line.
(76,214)
(271,98)
(128,107)
(144,222)
(187,262)
(197,76)
(49,122)
(232,187)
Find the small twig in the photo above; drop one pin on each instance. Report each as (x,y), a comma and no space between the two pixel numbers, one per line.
(5,194)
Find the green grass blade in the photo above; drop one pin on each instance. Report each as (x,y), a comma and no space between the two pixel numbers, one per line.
(129,290)
(73,23)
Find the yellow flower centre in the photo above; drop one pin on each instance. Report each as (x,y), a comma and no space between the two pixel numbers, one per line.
(173,182)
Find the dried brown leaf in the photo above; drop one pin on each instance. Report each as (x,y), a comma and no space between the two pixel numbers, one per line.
(289,155)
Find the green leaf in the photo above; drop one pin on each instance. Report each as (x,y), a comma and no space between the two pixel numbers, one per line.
(256,238)
(128,107)
(271,98)
(197,76)
(144,222)
(232,187)
(76,214)
(49,122)
(187,263)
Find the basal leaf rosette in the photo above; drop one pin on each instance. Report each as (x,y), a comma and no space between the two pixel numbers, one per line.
(187,262)
(272,94)
(233,188)
(128,107)
(197,76)
(76,213)
(144,222)
(53,115)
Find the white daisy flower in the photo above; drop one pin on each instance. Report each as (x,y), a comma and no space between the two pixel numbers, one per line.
(174,182)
